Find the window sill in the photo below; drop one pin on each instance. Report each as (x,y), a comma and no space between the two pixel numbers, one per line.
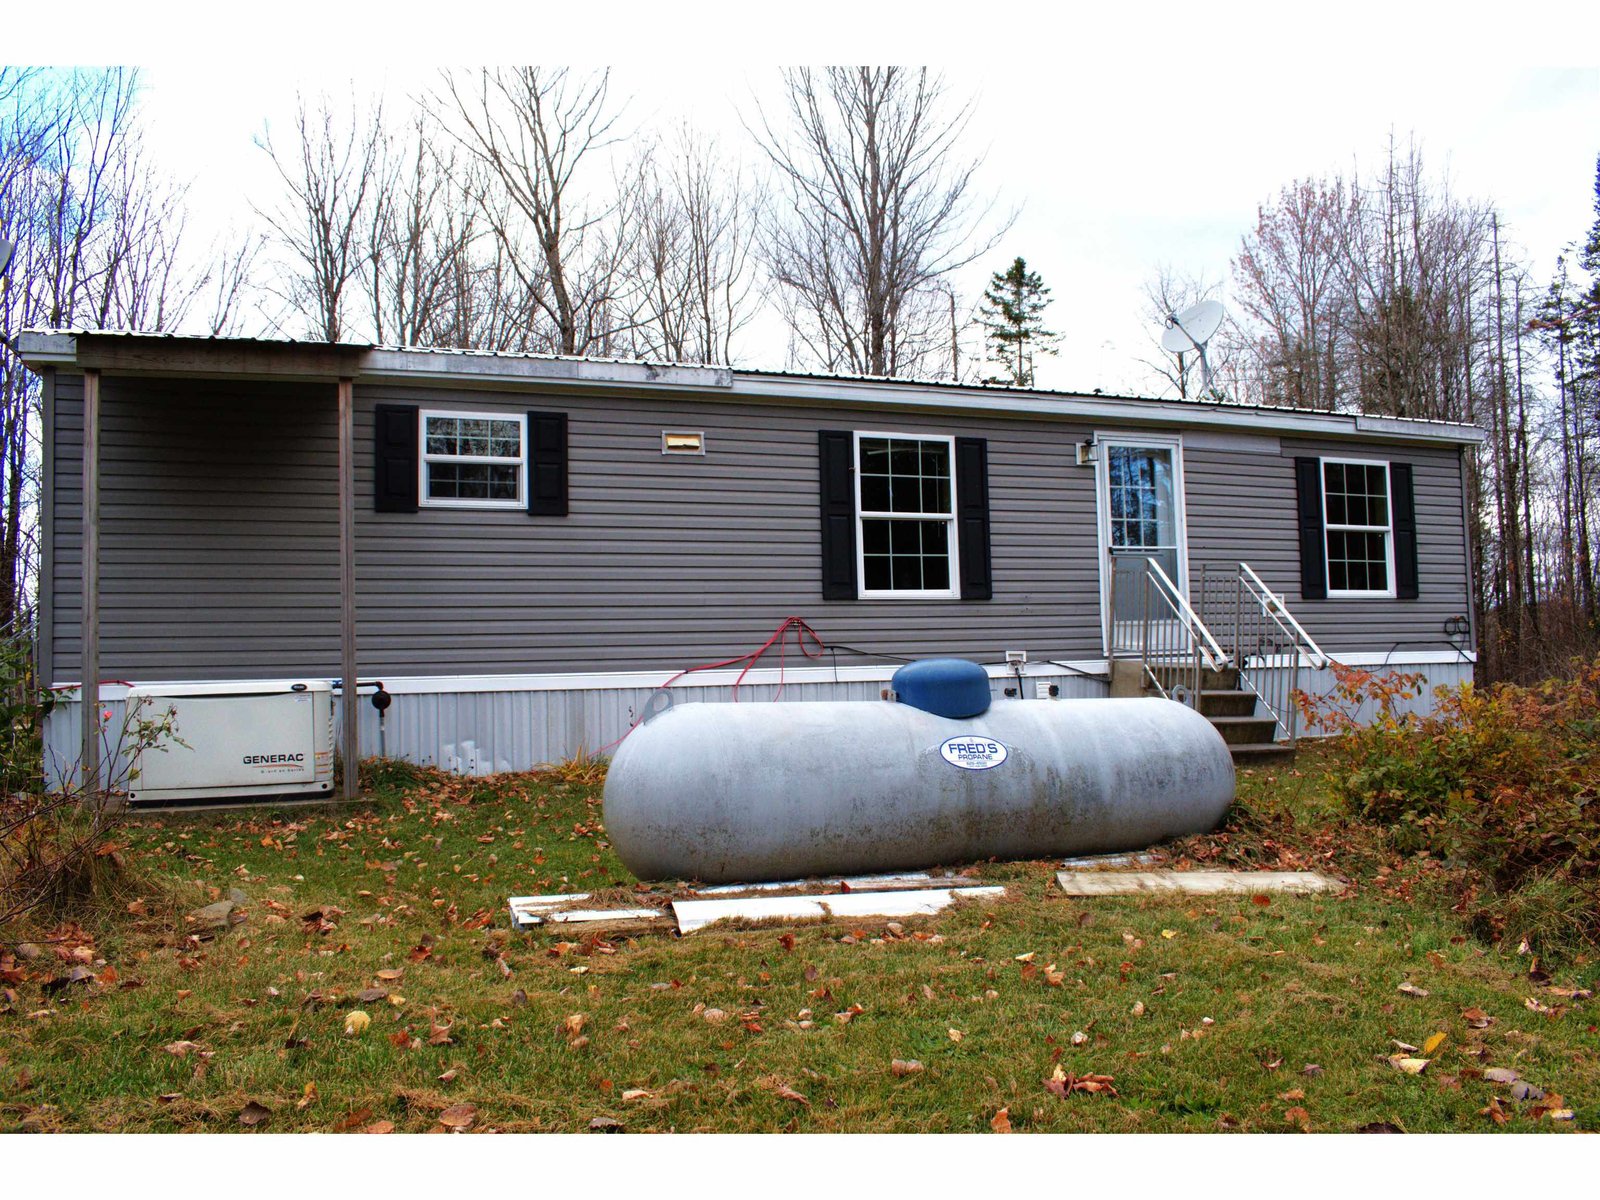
(488,505)
(1361,596)
(950,595)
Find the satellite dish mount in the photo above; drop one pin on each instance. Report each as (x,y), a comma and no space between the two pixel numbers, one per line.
(1190,330)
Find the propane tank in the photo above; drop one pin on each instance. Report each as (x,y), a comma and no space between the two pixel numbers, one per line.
(746,792)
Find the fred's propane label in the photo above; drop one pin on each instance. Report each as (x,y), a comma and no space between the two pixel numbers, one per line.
(973,753)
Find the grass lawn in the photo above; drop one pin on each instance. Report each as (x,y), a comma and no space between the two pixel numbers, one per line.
(1217,1013)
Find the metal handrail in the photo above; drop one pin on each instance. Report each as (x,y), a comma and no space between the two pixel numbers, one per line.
(1213,653)
(1267,644)
(1163,632)
(1273,605)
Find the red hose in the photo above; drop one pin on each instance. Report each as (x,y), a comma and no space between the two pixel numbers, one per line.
(815,649)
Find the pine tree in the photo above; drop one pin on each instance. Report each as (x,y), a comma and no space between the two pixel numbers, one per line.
(1013,322)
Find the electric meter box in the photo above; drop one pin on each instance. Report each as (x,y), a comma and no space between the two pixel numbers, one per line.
(233,740)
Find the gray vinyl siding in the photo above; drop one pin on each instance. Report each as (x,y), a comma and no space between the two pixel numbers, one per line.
(219,546)
(220,540)
(1244,507)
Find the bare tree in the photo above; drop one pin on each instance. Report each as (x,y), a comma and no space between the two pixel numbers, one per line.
(692,252)
(533,131)
(330,177)
(1290,281)
(1169,292)
(421,229)
(873,211)
(99,242)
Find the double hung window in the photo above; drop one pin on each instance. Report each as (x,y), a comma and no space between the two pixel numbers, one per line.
(906,513)
(474,460)
(1358,526)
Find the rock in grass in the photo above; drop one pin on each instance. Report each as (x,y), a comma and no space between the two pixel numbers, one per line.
(214,916)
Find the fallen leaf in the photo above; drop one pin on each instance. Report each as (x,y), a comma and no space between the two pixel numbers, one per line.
(1409,1066)
(636,1094)
(1501,1075)
(1432,1044)
(1493,1111)
(1026,958)
(906,1066)
(574,1024)
(355,1023)
(784,1092)
(372,995)
(1001,1121)
(351,1119)
(1138,1008)
(1298,1116)
(1079,1037)
(458,1116)
(1261,898)
(307,1098)
(1412,989)
(1477,1018)
(390,974)
(254,1114)
(955,1034)
(380,1127)
(606,1125)
(181,1049)
(1292,1094)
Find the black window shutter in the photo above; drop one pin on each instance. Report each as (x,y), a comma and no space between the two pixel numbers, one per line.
(1313,546)
(836,458)
(972,517)
(547,464)
(394,467)
(1403,497)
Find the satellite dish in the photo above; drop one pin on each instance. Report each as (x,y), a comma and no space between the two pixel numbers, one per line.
(1191,330)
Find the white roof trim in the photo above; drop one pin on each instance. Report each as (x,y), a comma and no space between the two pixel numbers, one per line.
(419,366)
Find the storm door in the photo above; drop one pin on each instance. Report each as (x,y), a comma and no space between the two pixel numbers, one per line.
(1141,523)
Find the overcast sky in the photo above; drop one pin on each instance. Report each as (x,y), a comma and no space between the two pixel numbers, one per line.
(1120,142)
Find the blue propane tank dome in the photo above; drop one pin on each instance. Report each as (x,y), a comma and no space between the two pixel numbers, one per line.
(945,687)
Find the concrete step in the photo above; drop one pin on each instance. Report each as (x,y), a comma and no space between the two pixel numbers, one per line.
(1225,680)
(1245,731)
(1233,703)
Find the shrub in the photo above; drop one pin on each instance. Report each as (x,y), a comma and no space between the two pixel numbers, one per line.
(1502,780)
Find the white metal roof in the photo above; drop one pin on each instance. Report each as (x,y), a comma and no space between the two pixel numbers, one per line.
(58,347)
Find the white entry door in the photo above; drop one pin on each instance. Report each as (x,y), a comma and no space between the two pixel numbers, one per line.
(1141,519)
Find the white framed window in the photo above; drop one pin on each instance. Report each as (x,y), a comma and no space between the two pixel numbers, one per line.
(473,460)
(1358,528)
(905,517)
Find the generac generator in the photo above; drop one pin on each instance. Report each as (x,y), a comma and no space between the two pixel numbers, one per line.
(233,740)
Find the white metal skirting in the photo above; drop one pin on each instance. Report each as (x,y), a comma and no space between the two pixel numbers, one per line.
(1320,683)
(473,728)
(486,725)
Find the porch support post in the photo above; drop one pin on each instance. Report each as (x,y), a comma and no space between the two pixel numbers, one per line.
(349,741)
(90,640)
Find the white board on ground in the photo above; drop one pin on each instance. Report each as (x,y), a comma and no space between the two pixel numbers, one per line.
(697,914)
(854,883)
(539,903)
(1097,861)
(1197,883)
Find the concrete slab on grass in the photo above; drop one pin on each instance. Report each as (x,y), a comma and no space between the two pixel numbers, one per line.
(1195,883)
